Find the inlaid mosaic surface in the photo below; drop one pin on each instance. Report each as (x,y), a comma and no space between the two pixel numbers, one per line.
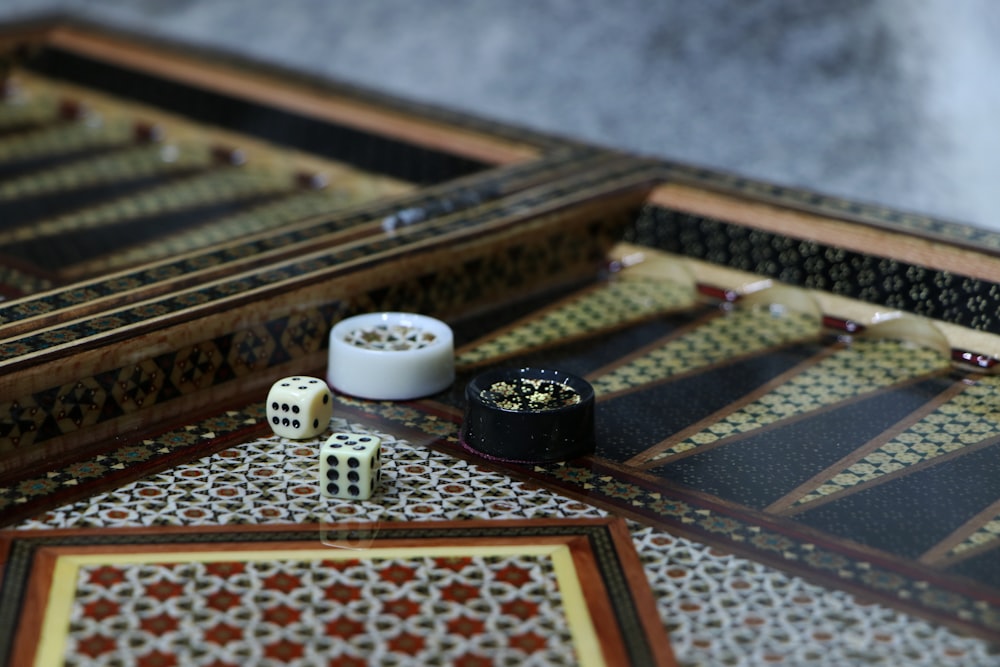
(746,449)
(769,423)
(719,608)
(501,593)
(888,282)
(837,376)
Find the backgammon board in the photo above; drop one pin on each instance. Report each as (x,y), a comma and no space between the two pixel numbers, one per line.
(797,431)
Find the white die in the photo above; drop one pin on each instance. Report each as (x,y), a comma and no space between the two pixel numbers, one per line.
(350,466)
(299,407)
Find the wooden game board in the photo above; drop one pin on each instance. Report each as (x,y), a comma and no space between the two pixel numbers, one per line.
(804,382)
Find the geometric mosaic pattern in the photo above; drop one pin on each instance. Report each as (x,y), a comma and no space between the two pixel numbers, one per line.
(30,419)
(596,482)
(518,266)
(865,277)
(122,460)
(793,198)
(610,304)
(108,395)
(726,610)
(721,338)
(967,418)
(720,609)
(864,366)
(337,609)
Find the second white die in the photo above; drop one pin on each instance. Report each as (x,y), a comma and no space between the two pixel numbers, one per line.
(350,465)
(299,407)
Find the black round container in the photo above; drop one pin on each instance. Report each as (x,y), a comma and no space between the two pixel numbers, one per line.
(535,429)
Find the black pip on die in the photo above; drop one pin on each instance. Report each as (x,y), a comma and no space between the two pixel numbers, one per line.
(350,465)
(299,407)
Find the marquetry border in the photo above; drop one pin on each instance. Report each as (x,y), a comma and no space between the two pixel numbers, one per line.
(604,565)
(871,276)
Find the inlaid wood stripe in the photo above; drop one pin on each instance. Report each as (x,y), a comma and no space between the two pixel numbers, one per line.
(27,116)
(288,240)
(717,339)
(249,218)
(601,308)
(59,141)
(833,377)
(72,247)
(14,166)
(420,237)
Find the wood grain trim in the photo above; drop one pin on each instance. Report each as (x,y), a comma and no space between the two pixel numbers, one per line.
(642,595)
(36,601)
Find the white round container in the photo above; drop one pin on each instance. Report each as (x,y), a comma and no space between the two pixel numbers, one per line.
(391,356)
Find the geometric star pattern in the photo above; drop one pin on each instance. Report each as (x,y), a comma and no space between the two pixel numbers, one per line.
(341,609)
(720,608)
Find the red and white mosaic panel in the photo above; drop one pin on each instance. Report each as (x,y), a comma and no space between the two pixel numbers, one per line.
(472,611)
(720,609)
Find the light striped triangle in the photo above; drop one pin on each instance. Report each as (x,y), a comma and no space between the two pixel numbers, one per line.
(609,306)
(968,418)
(865,366)
(738,333)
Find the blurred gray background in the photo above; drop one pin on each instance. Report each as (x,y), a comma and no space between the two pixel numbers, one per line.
(894,102)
